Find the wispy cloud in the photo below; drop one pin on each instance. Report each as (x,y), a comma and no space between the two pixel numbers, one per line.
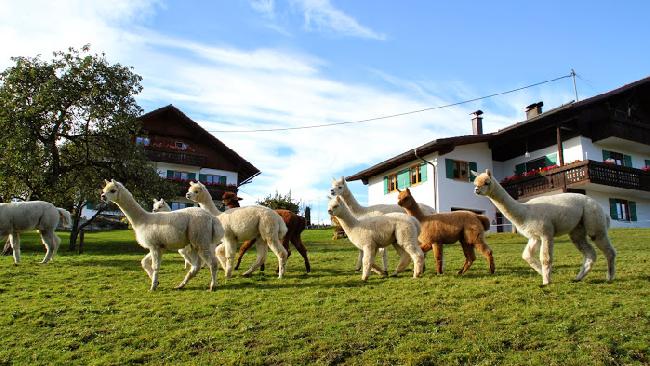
(323,16)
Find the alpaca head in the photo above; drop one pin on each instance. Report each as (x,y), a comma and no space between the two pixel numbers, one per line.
(111,191)
(483,183)
(160,206)
(230,199)
(335,206)
(404,198)
(196,192)
(338,186)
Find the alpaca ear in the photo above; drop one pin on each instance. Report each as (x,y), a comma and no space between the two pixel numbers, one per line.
(399,190)
(488,172)
(106,181)
(408,191)
(154,200)
(239,198)
(473,173)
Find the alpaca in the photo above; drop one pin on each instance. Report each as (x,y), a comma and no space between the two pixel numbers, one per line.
(543,218)
(371,233)
(162,206)
(191,228)
(295,226)
(446,228)
(16,217)
(244,223)
(340,188)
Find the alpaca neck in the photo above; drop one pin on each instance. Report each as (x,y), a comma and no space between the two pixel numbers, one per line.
(509,207)
(131,209)
(347,220)
(206,203)
(413,209)
(352,202)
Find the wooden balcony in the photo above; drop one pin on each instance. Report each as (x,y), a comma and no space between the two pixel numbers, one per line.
(577,175)
(177,157)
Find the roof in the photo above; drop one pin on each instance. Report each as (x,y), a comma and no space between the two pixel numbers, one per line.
(245,169)
(445,145)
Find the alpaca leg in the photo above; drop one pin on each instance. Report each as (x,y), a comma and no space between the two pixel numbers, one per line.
(484,249)
(470,257)
(146,265)
(438,255)
(281,253)
(14,240)
(230,247)
(192,257)
(242,250)
(207,256)
(297,242)
(404,260)
(579,238)
(368,259)
(384,259)
(262,249)
(603,243)
(529,254)
(285,243)
(156,257)
(546,257)
(417,256)
(183,253)
(357,266)
(220,254)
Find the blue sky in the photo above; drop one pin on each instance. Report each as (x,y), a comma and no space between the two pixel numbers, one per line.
(260,64)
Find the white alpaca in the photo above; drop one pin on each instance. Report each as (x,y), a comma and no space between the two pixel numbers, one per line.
(371,233)
(16,217)
(242,224)
(340,188)
(191,228)
(543,218)
(162,206)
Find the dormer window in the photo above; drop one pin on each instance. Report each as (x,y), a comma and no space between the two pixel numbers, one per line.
(181,145)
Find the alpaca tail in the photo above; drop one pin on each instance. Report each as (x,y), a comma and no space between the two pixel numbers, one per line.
(64,215)
(485,221)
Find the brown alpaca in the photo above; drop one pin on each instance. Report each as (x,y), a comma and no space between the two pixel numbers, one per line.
(446,228)
(295,226)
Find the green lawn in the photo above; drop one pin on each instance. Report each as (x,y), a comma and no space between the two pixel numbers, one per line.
(95,308)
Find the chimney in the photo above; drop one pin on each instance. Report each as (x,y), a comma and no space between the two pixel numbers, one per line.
(477,122)
(534,110)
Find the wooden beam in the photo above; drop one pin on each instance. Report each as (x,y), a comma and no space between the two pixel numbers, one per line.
(560,150)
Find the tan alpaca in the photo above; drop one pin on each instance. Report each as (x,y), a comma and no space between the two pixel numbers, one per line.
(446,228)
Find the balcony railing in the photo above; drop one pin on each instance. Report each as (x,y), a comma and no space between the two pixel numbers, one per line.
(576,174)
(216,190)
(176,157)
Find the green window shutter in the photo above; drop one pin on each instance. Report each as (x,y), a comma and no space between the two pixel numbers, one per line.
(520,168)
(613,213)
(472,166)
(90,206)
(170,174)
(423,172)
(202,178)
(627,160)
(647,163)
(385,185)
(606,154)
(551,159)
(632,210)
(404,179)
(191,176)
(449,165)
(222,180)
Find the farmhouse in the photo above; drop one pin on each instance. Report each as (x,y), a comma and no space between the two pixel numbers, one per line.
(598,146)
(183,151)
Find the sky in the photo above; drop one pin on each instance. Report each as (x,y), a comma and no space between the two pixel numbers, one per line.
(260,64)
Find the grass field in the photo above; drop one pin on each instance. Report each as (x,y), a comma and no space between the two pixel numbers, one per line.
(95,308)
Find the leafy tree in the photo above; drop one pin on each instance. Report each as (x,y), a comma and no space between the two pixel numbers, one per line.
(279,201)
(68,123)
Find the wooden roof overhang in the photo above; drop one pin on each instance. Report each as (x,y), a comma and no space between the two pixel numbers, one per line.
(245,170)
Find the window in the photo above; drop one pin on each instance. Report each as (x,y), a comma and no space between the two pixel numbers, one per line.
(536,164)
(460,170)
(617,158)
(212,179)
(622,209)
(178,175)
(405,178)
(178,205)
(181,145)
(142,140)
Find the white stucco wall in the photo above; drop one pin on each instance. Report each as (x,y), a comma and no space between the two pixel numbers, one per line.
(642,208)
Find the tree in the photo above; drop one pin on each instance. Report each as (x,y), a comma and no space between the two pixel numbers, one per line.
(279,201)
(68,123)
